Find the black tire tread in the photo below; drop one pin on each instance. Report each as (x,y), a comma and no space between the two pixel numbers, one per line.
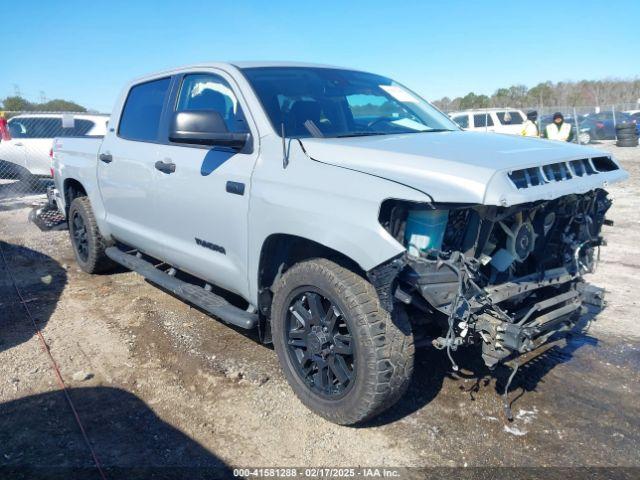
(392,341)
(98,261)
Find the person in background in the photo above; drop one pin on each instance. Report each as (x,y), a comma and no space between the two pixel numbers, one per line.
(558,129)
(529,127)
(4,128)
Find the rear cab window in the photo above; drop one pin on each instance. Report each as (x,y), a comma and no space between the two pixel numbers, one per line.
(511,117)
(140,119)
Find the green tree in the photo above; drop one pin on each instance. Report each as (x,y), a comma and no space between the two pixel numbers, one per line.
(471,100)
(541,94)
(59,105)
(16,103)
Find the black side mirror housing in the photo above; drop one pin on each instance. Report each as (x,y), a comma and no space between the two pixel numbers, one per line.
(205,127)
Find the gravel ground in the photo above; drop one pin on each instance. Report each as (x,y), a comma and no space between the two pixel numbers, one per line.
(159,385)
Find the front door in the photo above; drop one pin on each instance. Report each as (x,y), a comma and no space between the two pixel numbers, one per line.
(204,202)
(126,169)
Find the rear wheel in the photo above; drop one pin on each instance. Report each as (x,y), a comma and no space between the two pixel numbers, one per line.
(88,244)
(342,354)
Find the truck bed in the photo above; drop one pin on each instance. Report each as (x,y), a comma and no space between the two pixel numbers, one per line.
(75,158)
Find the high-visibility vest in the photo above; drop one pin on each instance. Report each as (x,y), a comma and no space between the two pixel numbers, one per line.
(529,129)
(555,133)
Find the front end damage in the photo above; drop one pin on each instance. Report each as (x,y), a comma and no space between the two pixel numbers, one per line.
(507,278)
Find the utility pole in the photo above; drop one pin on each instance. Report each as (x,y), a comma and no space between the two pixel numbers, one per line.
(16,90)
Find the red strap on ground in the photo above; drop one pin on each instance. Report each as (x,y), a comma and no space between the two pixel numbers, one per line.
(54,365)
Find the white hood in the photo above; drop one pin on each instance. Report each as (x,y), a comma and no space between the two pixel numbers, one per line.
(461,167)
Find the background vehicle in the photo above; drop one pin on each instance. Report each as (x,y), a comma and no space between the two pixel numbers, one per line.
(27,152)
(603,127)
(345,214)
(496,120)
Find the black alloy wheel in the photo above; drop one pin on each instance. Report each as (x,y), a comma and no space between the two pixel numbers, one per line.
(80,237)
(320,344)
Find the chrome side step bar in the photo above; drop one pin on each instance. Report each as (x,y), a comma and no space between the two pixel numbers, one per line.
(198,296)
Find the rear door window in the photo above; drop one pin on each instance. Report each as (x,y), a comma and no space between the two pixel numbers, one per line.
(140,119)
(482,120)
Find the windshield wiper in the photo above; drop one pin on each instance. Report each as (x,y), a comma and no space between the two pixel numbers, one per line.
(361,134)
(434,130)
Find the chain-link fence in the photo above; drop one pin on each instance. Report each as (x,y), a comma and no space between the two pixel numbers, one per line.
(26,139)
(589,124)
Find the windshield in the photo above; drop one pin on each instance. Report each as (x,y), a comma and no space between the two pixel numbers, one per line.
(326,102)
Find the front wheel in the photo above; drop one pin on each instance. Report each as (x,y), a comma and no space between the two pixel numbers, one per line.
(341,352)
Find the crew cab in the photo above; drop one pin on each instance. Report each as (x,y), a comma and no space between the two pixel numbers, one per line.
(339,214)
(25,155)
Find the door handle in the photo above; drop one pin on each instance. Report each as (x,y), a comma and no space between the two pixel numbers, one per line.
(19,144)
(165,167)
(106,157)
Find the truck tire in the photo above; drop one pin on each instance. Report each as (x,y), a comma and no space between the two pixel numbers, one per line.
(627,143)
(626,126)
(627,138)
(88,244)
(343,355)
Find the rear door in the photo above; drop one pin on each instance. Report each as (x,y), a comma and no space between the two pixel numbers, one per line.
(204,203)
(126,172)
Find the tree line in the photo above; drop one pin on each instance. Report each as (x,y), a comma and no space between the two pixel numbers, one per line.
(20,104)
(550,94)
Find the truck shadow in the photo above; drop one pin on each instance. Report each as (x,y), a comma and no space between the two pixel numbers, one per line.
(41,439)
(40,280)
(432,367)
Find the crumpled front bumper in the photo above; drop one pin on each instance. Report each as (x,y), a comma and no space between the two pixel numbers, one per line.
(555,302)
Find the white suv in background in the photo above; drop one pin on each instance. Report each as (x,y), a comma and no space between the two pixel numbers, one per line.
(498,120)
(26,154)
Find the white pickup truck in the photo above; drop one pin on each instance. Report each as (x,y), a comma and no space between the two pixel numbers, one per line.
(351,218)
(26,154)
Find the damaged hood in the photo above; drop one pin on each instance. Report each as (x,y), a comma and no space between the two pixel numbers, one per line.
(463,167)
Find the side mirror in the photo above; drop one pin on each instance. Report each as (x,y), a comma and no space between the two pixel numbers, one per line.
(204,128)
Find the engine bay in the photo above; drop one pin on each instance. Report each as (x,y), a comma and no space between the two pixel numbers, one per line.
(505,277)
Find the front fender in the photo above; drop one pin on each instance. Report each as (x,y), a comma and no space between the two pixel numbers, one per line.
(335,207)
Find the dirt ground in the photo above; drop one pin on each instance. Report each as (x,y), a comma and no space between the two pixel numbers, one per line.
(159,385)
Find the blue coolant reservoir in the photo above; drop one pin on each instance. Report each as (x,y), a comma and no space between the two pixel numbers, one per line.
(424,230)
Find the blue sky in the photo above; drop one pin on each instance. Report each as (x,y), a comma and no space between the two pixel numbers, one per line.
(85,51)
